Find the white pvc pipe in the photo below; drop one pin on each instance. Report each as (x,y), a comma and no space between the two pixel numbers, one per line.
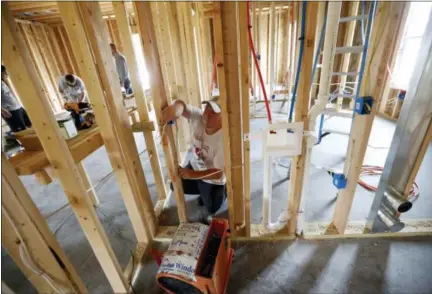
(331,32)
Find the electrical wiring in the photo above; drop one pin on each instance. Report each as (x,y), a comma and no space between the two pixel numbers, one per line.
(28,260)
(252,47)
(371,170)
(299,61)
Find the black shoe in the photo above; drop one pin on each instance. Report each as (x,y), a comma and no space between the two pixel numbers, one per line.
(200,202)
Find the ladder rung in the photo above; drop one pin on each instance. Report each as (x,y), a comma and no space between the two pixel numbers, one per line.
(350,49)
(345,73)
(351,18)
(345,95)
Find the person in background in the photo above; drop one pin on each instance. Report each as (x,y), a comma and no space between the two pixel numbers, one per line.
(204,175)
(11,109)
(122,69)
(72,89)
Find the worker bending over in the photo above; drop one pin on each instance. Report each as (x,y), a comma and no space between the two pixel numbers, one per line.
(72,89)
(11,109)
(204,174)
(122,69)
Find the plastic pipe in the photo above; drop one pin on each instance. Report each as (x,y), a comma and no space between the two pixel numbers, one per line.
(252,47)
(300,60)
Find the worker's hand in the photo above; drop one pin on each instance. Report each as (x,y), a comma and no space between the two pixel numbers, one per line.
(187,173)
(6,113)
(171,112)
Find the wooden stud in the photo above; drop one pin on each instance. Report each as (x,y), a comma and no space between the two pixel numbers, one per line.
(301,111)
(222,80)
(231,59)
(39,63)
(244,88)
(30,90)
(46,55)
(100,77)
(140,97)
(388,17)
(147,31)
(67,50)
(184,16)
(294,37)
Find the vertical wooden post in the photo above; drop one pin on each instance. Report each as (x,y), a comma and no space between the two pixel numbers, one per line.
(222,81)
(148,38)
(36,234)
(244,89)
(180,76)
(101,80)
(184,15)
(294,36)
(301,111)
(384,35)
(140,98)
(30,90)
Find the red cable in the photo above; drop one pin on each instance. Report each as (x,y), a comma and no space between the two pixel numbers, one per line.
(251,44)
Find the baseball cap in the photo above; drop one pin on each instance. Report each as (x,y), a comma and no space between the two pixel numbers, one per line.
(214,103)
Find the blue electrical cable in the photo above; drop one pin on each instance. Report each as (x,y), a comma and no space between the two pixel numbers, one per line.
(300,59)
(362,22)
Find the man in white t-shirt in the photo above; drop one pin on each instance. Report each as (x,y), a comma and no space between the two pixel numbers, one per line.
(72,88)
(204,175)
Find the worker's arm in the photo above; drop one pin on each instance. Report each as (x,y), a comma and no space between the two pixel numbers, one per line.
(210,174)
(178,108)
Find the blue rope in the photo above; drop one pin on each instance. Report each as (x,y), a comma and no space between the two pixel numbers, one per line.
(300,59)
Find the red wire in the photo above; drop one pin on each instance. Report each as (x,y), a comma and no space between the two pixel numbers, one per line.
(370,170)
(251,44)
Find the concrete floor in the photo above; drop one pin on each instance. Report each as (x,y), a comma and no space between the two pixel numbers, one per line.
(372,265)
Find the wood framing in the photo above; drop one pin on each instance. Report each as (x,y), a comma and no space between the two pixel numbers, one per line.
(101,80)
(140,97)
(148,39)
(384,34)
(31,225)
(301,115)
(29,87)
(184,15)
(244,90)
(229,16)
(223,93)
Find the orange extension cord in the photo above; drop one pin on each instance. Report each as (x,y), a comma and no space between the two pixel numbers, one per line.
(371,170)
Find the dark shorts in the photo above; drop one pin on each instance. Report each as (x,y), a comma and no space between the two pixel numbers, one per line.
(18,121)
(211,195)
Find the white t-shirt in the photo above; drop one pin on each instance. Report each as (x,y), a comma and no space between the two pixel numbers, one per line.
(72,93)
(207,149)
